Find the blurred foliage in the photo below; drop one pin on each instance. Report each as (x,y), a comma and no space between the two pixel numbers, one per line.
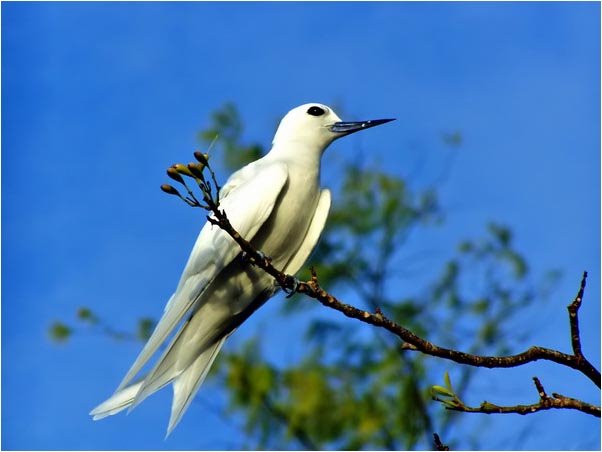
(355,388)
(453,139)
(145,329)
(85,315)
(88,321)
(59,332)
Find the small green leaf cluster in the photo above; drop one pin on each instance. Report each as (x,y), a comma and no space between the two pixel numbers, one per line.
(445,394)
(88,321)
(61,332)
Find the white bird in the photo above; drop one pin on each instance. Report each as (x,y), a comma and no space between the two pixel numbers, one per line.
(277,204)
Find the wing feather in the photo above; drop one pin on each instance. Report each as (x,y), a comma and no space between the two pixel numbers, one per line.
(250,198)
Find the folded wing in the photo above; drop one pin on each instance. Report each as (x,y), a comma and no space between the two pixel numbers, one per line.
(248,203)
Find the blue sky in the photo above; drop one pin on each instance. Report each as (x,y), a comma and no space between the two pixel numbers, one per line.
(97,99)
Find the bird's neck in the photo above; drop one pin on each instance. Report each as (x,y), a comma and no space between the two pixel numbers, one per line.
(298,153)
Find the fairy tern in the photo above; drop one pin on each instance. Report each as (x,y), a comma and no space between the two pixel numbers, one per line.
(277,204)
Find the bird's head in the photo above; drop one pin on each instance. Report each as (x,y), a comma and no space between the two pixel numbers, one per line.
(317,125)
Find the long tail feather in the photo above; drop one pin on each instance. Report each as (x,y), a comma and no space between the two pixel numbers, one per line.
(187,384)
(171,317)
(196,335)
(116,403)
(165,369)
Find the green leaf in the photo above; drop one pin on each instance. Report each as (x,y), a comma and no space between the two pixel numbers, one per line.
(60,332)
(440,390)
(86,315)
(447,380)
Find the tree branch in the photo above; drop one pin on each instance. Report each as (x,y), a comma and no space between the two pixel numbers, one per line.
(413,342)
(410,340)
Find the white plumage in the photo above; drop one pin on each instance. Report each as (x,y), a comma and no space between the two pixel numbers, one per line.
(275,203)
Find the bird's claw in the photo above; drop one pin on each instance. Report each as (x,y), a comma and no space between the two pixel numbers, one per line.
(293,290)
(263,258)
(246,258)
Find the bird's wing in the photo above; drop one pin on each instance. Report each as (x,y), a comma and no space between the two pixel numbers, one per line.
(186,384)
(251,195)
(248,198)
(313,234)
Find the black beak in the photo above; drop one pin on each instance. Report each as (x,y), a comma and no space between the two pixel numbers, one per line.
(346,128)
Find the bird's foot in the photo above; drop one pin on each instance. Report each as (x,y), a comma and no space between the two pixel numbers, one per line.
(266,260)
(246,258)
(295,286)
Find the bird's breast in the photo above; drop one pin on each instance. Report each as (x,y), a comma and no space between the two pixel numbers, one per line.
(284,231)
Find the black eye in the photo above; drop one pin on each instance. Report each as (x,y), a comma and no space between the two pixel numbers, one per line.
(315,111)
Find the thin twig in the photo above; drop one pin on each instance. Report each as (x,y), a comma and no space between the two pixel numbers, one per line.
(556,401)
(573,309)
(438,444)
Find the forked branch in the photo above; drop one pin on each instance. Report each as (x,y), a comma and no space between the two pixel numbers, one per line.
(447,396)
